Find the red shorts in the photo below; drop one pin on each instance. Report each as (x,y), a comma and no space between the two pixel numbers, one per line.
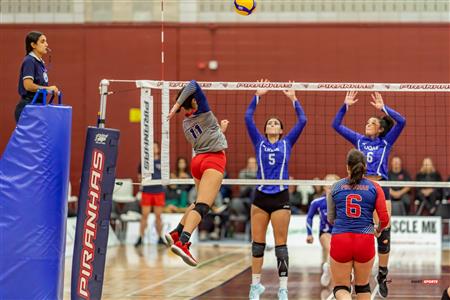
(359,247)
(211,160)
(149,199)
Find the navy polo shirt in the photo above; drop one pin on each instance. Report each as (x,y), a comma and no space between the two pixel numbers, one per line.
(34,68)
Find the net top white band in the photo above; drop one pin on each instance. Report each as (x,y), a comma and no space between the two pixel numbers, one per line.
(434,184)
(299,86)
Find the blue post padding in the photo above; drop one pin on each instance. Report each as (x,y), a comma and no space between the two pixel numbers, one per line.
(94,210)
(34,175)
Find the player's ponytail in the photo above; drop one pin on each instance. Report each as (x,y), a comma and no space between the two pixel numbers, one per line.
(356,162)
(386,123)
(187,104)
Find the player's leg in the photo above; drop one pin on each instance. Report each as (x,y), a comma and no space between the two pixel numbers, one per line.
(207,191)
(259,219)
(363,262)
(325,240)
(280,224)
(362,274)
(158,209)
(174,236)
(341,273)
(341,264)
(145,211)
(384,247)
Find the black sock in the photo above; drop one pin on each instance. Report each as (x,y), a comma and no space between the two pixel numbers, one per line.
(179,228)
(382,271)
(185,236)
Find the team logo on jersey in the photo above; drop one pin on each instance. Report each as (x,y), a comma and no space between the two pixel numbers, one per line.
(45,76)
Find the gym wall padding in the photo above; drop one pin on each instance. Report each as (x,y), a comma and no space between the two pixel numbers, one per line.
(34,175)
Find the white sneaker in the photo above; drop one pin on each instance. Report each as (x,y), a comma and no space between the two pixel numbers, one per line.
(255,291)
(326,276)
(282,294)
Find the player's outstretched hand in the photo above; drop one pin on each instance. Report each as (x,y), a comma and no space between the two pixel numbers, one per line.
(290,93)
(261,92)
(350,98)
(377,102)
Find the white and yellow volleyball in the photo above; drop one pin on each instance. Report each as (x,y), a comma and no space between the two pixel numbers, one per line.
(244,7)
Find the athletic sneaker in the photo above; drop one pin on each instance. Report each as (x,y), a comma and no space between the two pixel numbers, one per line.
(282,294)
(325,278)
(255,291)
(382,286)
(139,242)
(172,238)
(182,250)
(161,241)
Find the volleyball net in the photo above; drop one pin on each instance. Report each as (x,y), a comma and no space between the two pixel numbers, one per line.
(320,150)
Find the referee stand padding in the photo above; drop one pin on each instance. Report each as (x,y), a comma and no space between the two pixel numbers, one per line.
(34,176)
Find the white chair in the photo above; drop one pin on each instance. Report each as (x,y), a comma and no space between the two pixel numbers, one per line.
(123,191)
(122,196)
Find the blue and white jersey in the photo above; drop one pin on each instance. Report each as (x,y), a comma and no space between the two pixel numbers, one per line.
(273,159)
(318,206)
(376,150)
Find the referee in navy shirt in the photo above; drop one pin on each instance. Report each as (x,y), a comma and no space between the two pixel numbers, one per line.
(33,73)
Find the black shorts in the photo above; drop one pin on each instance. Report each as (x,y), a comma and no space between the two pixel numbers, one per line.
(322,232)
(386,190)
(272,202)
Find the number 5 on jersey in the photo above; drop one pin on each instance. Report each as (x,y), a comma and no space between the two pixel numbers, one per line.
(353,210)
(271,159)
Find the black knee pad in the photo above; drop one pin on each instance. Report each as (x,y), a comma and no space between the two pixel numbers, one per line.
(258,249)
(202,209)
(362,288)
(340,287)
(281,252)
(384,241)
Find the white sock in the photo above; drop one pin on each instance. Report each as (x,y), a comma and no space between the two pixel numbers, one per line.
(256,278)
(283,282)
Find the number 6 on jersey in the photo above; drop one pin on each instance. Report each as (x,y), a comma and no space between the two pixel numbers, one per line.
(353,210)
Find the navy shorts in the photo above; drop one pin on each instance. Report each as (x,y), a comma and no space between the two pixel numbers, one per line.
(272,202)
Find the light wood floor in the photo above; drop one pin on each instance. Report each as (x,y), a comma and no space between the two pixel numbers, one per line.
(153,272)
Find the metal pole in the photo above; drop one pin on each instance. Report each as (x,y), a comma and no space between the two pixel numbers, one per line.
(103,94)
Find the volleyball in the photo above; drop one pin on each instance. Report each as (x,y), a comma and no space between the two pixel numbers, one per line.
(244,7)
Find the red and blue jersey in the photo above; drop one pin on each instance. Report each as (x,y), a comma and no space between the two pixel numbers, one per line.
(273,159)
(318,206)
(351,207)
(376,150)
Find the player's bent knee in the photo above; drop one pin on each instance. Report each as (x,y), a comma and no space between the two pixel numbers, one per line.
(362,288)
(202,209)
(340,287)
(384,241)
(281,252)
(258,249)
